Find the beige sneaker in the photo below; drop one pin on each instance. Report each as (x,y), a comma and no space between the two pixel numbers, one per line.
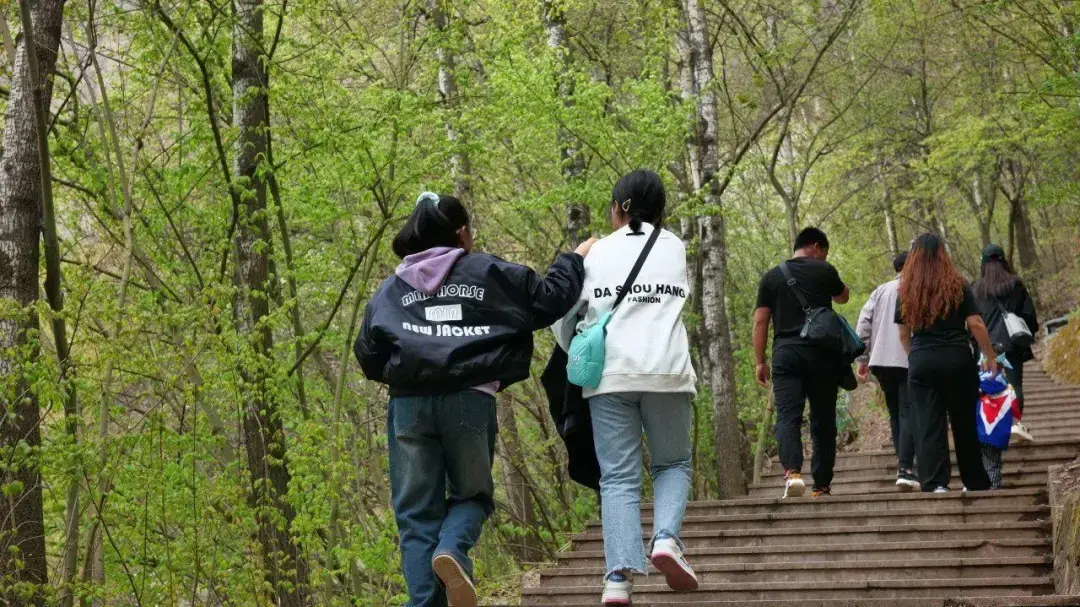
(460,591)
(793,484)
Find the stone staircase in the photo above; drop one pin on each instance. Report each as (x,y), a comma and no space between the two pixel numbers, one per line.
(868,544)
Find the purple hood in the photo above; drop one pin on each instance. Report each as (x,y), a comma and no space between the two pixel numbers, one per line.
(427,271)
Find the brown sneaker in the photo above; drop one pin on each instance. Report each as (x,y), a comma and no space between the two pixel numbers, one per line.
(821,491)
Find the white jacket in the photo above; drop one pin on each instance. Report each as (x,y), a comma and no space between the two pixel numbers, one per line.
(647,348)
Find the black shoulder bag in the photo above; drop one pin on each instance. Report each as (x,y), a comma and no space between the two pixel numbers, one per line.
(823,326)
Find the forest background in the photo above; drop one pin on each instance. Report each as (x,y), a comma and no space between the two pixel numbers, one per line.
(183,422)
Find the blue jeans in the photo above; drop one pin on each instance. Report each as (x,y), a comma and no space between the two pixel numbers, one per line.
(617,421)
(441,451)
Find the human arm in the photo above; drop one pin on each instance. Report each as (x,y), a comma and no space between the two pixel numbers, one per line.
(977,327)
(839,291)
(905,337)
(865,329)
(371,350)
(762,316)
(551,296)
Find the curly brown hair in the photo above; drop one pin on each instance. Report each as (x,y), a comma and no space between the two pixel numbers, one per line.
(930,285)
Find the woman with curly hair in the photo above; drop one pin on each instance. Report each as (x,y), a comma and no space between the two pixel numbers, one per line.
(937,311)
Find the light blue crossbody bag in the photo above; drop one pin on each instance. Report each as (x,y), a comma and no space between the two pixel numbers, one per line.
(585,366)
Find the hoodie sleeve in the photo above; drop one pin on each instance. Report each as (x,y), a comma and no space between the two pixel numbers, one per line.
(371,352)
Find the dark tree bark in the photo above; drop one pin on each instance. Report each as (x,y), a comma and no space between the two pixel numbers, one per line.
(264,436)
(518,492)
(22,531)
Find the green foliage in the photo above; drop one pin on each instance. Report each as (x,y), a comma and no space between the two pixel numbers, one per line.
(900,116)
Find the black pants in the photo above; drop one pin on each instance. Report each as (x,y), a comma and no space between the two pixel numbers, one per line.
(802,372)
(894,383)
(943,385)
(1016,377)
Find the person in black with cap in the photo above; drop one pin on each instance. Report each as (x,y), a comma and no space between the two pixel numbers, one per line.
(1000,291)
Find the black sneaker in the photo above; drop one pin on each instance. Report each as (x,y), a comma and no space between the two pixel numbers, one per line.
(906,481)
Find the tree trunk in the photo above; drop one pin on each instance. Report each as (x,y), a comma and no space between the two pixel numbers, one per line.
(890,229)
(460,166)
(1020,221)
(264,436)
(518,493)
(573,163)
(715,329)
(22,529)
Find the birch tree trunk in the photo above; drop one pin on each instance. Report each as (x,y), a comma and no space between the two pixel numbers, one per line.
(573,163)
(264,436)
(22,530)
(715,330)
(460,167)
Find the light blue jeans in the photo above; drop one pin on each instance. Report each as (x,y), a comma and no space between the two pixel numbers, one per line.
(617,421)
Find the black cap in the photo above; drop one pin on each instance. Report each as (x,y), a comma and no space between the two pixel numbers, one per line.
(991,251)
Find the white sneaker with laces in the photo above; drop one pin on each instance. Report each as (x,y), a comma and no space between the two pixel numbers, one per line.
(460,591)
(668,559)
(617,589)
(1021,434)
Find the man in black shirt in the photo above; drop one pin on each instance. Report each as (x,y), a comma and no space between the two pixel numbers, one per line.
(801,370)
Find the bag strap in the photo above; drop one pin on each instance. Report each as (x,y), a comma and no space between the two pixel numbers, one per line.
(794,286)
(637,267)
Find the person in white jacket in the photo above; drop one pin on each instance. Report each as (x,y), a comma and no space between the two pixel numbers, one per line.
(648,384)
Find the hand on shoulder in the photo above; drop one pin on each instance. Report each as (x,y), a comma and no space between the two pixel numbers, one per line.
(584,248)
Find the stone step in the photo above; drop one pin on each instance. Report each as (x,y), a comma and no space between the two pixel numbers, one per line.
(900,552)
(839,534)
(951,514)
(1067,448)
(802,572)
(887,464)
(1026,496)
(966,601)
(657,594)
(1020,476)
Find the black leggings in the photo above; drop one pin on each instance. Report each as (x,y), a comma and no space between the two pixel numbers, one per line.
(943,385)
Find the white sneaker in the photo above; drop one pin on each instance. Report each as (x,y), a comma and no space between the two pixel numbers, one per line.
(460,591)
(941,490)
(668,559)
(794,485)
(906,481)
(617,589)
(1021,434)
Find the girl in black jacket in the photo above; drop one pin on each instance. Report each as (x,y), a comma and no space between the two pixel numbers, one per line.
(997,291)
(447,331)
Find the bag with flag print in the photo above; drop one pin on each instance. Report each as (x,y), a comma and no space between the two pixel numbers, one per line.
(996,411)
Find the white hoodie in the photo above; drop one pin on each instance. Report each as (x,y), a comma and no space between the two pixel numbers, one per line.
(647,348)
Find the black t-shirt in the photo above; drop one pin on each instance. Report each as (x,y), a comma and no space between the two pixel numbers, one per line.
(817,280)
(949,330)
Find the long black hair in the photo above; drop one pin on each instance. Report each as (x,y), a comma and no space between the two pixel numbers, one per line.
(996,278)
(434,222)
(640,194)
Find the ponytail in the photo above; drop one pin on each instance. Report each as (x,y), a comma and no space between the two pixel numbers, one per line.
(640,195)
(434,222)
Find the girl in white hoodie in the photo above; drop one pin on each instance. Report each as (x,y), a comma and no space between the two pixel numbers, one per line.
(648,384)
